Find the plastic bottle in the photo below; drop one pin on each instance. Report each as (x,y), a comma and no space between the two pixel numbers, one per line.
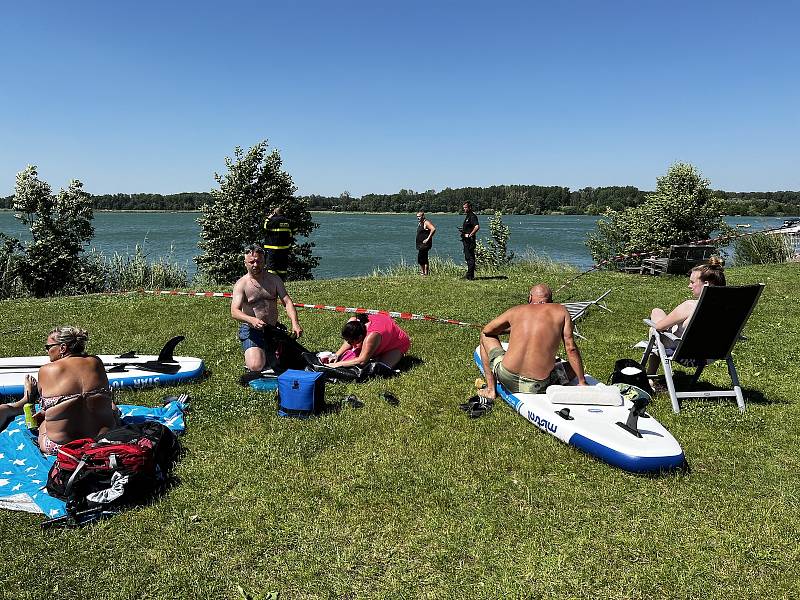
(29,422)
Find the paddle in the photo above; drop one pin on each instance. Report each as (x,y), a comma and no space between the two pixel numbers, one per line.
(165,363)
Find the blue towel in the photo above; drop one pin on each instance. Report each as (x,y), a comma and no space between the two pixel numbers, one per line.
(23,468)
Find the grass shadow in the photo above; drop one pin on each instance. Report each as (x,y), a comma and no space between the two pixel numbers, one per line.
(408,362)
(683,382)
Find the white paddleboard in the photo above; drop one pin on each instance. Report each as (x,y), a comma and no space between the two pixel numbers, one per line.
(124,371)
(594,429)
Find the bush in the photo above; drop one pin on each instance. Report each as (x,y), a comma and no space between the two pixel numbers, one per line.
(762,249)
(495,253)
(253,186)
(60,228)
(681,210)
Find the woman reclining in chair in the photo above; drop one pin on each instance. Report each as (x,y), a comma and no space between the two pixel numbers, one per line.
(676,321)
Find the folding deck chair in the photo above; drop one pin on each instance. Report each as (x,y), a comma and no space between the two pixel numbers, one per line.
(713,330)
(577,310)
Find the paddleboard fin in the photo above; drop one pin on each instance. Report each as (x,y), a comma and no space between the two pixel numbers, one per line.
(165,356)
(129,354)
(637,410)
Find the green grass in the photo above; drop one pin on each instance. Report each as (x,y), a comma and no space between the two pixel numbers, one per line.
(417,501)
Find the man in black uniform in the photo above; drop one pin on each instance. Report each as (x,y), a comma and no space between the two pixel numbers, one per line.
(468,231)
(278,242)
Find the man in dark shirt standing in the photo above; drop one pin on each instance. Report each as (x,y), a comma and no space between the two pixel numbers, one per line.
(468,231)
(277,243)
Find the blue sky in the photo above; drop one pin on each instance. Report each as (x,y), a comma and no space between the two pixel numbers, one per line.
(376,96)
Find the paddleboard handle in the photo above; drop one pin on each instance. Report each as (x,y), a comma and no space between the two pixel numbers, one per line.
(564,414)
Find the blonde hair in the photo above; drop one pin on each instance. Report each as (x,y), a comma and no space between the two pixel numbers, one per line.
(74,338)
(713,272)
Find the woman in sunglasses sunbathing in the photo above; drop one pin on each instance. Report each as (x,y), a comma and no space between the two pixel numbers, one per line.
(73,391)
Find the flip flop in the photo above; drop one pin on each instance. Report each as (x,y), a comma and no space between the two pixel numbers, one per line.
(474,401)
(353,401)
(390,398)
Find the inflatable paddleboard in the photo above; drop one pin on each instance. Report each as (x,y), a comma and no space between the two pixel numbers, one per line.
(594,428)
(127,370)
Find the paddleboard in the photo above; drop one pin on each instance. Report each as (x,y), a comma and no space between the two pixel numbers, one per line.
(594,429)
(127,370)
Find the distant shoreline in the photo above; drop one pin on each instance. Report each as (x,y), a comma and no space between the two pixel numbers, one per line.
(351,212)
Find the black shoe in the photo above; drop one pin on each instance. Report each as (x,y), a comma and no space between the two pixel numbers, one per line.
(480,408)
(245,379)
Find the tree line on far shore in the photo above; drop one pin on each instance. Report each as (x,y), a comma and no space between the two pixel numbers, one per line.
(508,199)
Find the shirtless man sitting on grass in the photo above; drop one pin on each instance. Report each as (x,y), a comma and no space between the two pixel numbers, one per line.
(536,331)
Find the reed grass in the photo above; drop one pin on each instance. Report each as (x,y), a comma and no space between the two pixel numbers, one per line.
(762,249)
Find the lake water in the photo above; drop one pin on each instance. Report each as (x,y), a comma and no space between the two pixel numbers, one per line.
(355,244)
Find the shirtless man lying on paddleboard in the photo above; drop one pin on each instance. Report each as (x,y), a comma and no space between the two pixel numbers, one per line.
(255,304)
(536,330)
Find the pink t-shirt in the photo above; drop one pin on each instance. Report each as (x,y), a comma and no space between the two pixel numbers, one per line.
(392,337)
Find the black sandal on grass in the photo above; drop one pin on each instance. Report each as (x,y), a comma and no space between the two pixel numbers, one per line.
(390,398)
(353,401)
(479,407)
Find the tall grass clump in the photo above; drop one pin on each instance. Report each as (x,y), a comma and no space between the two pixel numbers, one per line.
(134,271)
(438,266)
(762,249)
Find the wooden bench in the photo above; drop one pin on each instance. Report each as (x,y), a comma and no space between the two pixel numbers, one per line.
(680,261)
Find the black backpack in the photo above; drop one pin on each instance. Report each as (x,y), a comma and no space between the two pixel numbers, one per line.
(125,466)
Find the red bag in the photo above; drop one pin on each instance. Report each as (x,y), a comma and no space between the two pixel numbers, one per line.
(123,466)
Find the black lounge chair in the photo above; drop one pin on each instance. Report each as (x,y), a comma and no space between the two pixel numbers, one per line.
(711,334)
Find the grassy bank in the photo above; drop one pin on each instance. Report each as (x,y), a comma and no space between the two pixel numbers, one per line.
(417,500)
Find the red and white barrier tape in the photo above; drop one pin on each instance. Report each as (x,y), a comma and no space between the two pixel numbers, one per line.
(408,316)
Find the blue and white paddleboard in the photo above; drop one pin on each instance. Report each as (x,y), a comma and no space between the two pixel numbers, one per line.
(124,371)
(595,430)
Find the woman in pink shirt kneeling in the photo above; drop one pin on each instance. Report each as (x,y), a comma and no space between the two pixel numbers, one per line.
(371,337)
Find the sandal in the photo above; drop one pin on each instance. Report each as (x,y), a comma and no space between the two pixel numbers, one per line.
(353,401)
(480,408)
(477,406)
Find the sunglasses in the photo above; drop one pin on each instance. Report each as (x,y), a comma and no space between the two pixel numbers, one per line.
(48,346)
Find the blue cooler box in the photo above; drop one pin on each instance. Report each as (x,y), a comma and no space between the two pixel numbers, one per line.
(301,394)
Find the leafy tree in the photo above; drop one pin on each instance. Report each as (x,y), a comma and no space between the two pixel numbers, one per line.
(234,218)
(681,210)
(60,226)
(495,253)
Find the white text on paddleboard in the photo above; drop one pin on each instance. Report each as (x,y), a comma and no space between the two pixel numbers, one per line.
(137,382)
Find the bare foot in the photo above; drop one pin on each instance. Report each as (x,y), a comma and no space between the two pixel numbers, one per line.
(29,385)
